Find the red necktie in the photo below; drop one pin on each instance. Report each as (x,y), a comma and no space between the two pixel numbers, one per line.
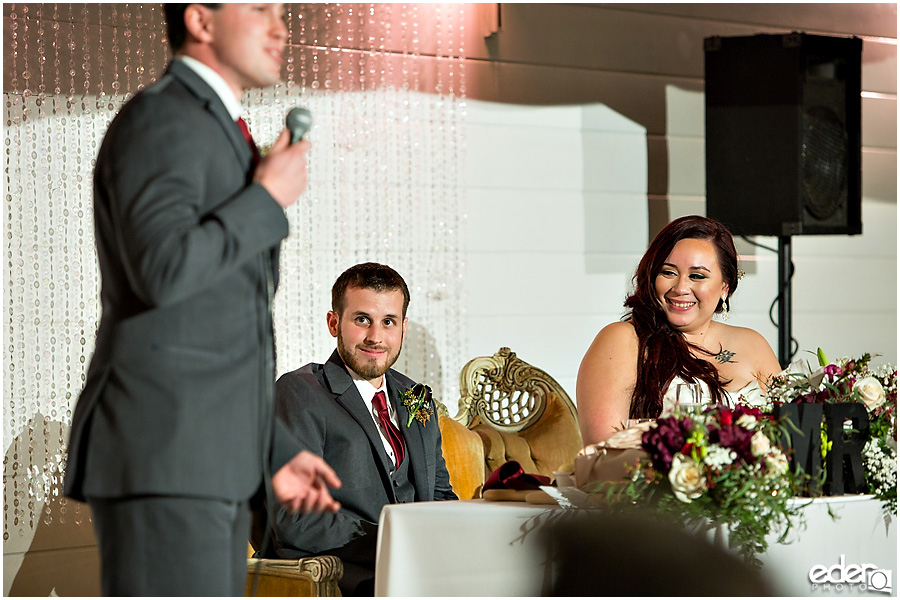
(246,131)
(393,434)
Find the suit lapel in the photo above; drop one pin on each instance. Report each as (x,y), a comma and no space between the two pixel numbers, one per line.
(412,437)
(213,104)
(346,394)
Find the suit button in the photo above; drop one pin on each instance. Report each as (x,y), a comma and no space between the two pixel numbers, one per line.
(396,484)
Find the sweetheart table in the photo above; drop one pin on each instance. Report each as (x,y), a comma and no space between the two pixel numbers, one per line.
(478,548)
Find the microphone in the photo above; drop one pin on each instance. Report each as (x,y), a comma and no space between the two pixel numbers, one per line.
(298,122)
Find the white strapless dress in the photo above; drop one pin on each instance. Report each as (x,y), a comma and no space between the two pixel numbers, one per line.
(749,394)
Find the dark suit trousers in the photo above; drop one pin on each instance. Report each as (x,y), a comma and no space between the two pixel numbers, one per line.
(171,546)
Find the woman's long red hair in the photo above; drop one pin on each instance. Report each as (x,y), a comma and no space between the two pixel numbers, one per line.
(663,352)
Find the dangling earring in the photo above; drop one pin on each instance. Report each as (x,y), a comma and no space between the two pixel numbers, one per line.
(724,315)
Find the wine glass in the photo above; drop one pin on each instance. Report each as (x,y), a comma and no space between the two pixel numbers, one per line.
(687,398)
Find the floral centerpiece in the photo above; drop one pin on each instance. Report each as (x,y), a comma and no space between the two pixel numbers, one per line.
(726,465)
(852,380)
(722,465)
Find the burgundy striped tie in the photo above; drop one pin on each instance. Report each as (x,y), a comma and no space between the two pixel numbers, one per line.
(246,131)
(393,434)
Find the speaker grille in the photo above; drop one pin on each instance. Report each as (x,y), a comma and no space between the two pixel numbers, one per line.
(824,162)
(783,145)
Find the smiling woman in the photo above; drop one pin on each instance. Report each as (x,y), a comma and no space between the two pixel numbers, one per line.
(668,335)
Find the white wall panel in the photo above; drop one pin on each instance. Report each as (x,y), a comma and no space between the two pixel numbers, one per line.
(512,115)
(879,122)
(508,221)
(523,157)
(687,166)
(879,175)
(539,285)
(615,162)
(685,112)
(615,223)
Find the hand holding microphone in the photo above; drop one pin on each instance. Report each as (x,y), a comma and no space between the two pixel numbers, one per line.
(283,170)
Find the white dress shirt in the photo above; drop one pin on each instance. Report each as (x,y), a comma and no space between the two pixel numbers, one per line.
(367,391)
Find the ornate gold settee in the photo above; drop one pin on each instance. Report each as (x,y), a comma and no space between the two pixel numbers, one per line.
(508,410)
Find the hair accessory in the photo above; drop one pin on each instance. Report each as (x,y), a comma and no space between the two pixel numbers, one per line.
(741,274)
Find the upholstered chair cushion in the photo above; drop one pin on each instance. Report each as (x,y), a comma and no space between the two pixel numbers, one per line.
(544,447)
(554,440)
(464,455)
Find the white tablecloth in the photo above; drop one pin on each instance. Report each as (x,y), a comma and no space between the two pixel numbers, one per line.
(458,548)
(476,548)
(858,532)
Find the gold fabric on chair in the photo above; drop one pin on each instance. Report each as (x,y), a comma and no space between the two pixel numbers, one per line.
(464,455)
(311,576)
(518,411)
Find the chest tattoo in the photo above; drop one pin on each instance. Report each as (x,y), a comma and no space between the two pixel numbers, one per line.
(725,356)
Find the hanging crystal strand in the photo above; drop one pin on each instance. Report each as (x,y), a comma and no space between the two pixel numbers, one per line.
(440,185)
(128,11)
(101,91)
(40,50)
(378,192)
(114,95)
(31,240)
(84,332)
(14,254)
(385,187)
(425,239)
(69,216)
(58,333)
(303,310)
(56,297)
(146,34)
(458,344)
(138,35)
(45,217)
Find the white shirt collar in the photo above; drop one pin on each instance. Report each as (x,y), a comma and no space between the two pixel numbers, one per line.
(367,390)
(217,83)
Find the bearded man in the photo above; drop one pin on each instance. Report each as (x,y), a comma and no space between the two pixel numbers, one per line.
(373,425)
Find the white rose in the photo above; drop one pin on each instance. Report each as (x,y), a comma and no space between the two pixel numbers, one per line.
(759,444)
(870,392)
(686,478)
(746,421)
(776,462)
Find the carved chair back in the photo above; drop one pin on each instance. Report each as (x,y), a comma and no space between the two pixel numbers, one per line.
(508,410)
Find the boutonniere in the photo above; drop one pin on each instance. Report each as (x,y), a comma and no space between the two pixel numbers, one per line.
(417,400)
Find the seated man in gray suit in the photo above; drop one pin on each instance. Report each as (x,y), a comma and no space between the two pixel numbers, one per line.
(383,456)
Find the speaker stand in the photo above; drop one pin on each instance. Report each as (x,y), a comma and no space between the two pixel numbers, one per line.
(785,273)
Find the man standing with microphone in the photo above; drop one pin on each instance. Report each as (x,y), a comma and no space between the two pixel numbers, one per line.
(174,433)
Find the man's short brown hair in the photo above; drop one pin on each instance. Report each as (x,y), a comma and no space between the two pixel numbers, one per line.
(367,276)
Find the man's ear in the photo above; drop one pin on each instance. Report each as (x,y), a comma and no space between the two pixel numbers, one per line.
(333,322)
(198,23)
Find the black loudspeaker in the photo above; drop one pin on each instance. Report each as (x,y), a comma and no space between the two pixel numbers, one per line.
(783,146)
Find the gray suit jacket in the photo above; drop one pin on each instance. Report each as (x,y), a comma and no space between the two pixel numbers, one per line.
(323,409)
(178,395)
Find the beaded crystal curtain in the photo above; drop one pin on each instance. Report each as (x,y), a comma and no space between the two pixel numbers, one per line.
(386,87)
